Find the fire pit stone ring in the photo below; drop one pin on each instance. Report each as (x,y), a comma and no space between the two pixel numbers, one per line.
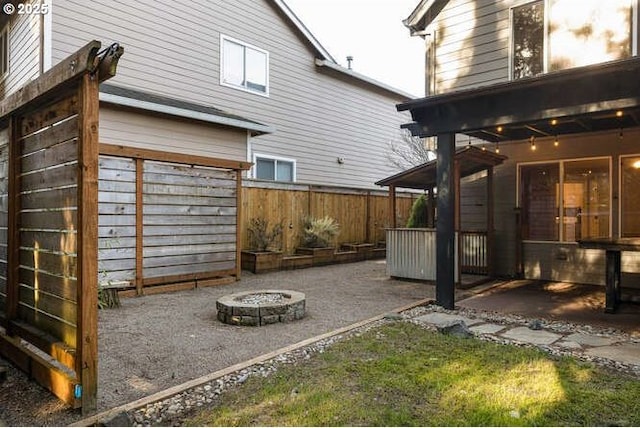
(262,307)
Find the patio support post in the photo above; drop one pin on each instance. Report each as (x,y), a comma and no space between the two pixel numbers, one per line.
(490,223)
(392,207)
(445,230)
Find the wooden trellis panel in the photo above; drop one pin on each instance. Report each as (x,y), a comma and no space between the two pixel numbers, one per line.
(49,206)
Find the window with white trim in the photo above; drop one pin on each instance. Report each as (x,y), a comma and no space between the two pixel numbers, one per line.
(550,35)
(566,200)
(4,51)
(274,168)
(244,66)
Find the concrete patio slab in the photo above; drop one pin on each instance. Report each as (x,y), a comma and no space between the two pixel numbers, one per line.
(535,337)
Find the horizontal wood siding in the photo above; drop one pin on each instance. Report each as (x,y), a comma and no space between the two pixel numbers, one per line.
(189,219)
(116,220)
(472,44)
(24,50)
(317,115)
(146,131)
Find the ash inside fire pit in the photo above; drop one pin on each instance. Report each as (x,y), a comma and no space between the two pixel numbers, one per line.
(262,298)
(261,307)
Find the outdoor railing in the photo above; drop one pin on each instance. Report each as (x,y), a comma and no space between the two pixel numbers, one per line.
(474,255)
(411,253)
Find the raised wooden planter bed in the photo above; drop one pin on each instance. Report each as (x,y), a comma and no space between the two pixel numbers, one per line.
(321,256)
(347,256)
(261,261)
(296,262)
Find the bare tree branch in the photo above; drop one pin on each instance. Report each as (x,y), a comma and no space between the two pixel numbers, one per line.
(410,151)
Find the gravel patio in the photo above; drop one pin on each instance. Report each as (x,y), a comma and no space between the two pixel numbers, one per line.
(158,341)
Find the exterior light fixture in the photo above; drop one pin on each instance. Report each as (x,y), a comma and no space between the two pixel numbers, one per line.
(556,142)
(619,113)
(497,147)
(533,142)
(554,121)
(499,128)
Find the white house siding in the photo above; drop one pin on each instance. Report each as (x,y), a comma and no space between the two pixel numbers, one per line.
(175,52)
(24,51)
(146,131)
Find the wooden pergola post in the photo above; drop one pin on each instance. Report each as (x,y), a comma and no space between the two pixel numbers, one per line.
(445,226)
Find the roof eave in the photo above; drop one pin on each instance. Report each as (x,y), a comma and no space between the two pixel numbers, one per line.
(361,77)
(293,18)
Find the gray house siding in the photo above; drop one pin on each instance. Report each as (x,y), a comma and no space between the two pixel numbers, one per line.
(469,56)
(24,51)
(176,53)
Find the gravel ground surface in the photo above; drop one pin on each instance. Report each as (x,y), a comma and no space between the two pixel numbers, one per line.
(155,342)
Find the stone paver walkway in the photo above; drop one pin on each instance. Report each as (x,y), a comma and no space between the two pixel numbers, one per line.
(617,348)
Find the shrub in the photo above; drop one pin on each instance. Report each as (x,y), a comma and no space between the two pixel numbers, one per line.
(260,236)
(319,232)
(418,216)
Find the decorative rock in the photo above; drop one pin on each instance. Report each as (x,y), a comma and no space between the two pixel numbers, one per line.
(393,316)
(535,325)
(122,419)
(456,328)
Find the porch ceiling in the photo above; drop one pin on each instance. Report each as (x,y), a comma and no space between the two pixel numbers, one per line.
(586,99)
(470,158)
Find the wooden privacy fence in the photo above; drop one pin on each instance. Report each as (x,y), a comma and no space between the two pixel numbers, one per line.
(363,215)
(167,221)
(48,225)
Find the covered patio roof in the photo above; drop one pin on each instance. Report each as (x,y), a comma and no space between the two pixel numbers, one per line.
(586,99)
(471,160)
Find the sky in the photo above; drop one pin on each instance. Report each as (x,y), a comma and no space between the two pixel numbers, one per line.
(373,33)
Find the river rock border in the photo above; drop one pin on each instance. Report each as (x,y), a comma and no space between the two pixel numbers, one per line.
(232,309)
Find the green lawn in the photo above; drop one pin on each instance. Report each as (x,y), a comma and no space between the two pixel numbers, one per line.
(403,375)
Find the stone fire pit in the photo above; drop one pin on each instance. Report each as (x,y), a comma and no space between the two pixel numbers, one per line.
(261,307)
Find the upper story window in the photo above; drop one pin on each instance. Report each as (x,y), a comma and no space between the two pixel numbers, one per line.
(4,51)
(528,40)
(274,169)
(244,66)
(550,35)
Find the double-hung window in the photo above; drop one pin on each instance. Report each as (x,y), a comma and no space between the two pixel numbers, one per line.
(566,200)
(274,168)
(244,66)
(550,35)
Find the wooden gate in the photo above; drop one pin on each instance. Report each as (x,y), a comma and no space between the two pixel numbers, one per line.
(49,225)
